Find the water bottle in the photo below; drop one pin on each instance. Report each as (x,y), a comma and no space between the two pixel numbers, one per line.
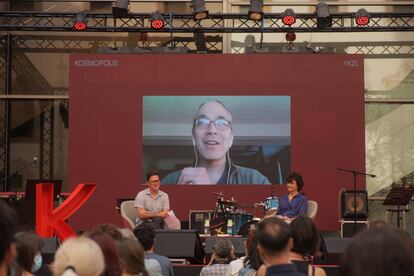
(230,227)
(206,226)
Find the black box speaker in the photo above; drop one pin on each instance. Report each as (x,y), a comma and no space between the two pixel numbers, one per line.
(348,227)
(179,244)
(333,248)
(238,244)
(196,219)
(348,204)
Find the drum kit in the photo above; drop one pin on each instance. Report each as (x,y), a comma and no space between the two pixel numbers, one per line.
(228,216)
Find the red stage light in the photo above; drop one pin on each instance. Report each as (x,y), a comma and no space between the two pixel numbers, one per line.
(80,26)
(79,22)
(288,17)
(362,17)
(157,21)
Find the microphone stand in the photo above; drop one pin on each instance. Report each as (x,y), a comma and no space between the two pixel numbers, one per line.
(5,179)
(355,174)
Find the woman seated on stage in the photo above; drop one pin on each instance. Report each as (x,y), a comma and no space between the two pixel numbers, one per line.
(294,203)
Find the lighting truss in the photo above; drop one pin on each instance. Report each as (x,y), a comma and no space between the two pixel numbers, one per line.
(215,23)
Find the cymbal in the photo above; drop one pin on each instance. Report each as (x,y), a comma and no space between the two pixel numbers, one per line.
(228,202)
(220,194)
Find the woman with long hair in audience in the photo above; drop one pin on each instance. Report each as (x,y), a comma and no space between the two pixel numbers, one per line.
(131,256)
(29,258)
(111,255)
(252,262)
(78,256)
(306,242)
(379,252)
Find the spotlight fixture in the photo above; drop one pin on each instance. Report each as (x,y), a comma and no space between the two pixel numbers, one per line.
(323,17)
(362,17)
(290,36)
(157,21)
(199,9)
(288,17)
(79,23)
(121,8)
(256,10)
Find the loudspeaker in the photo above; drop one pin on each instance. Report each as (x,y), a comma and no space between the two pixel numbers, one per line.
(348,227)
(196,219)
(333,248)
(179,244)
(348,204)
(238,244)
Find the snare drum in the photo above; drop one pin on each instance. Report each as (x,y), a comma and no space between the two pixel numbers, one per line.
(271,204)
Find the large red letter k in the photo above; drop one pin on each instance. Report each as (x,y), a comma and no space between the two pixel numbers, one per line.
(49,220)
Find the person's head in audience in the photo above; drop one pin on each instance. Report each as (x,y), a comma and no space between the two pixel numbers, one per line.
(127,234)
(274,240)
(131,255)
(110,252)
(306,238)
(223,250)
(8,227)
(378,224)
(107,228)
(28,246)
(79,256)
(378,252)
(145,234)
(252,259)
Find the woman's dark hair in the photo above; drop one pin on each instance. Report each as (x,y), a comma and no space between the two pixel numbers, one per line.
(111,255)
(252,259)
(306,238)
(378,252)
(131,255)
(27,246)
(107,228)
(298,178)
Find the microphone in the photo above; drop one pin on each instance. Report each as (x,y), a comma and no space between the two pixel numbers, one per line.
(33,161)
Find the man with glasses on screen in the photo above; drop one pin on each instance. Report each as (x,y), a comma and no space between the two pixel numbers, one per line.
(212,138)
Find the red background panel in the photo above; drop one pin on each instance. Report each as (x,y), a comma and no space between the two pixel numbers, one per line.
(327,123)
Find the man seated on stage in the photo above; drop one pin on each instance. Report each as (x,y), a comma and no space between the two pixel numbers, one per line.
(145,234)
(294,203)
(274,245)
(152,204)
(212,138)
(219,263)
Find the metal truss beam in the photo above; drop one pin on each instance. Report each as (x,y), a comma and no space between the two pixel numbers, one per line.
(381,49)
(87,44)
(216,23)
(91,44)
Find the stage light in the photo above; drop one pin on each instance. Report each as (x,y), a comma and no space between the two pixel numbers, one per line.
(362,17)
(288,17)
(157,21)
(199,9)
(121,8)
(323,17)
(79,22)
(256,10)
(290,36)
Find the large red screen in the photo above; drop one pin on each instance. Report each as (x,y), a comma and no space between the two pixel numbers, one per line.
(106,123)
